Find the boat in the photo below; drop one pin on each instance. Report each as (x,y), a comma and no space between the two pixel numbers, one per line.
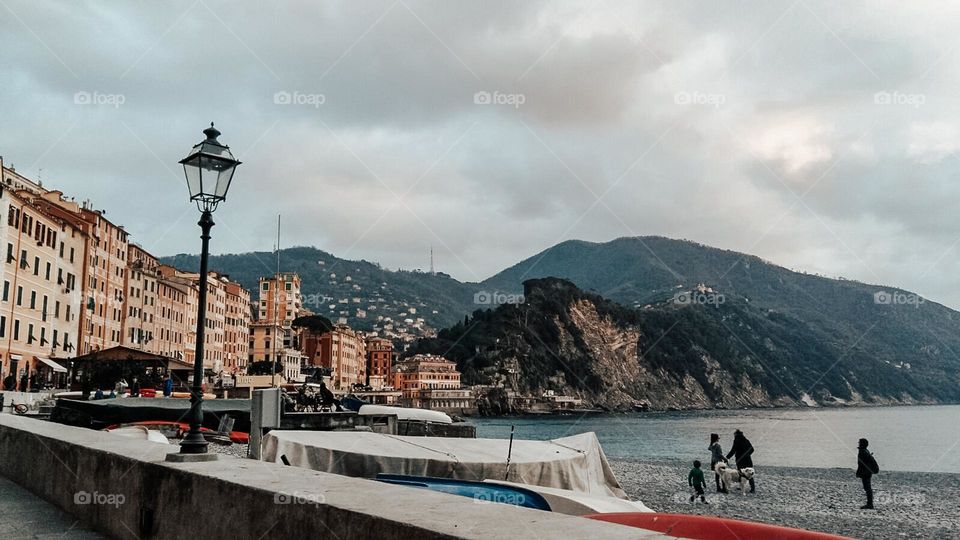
(140,433)
(709,527)
(574,463)
(403,413)
(176,430)
(478,491)
(573,503)
(561,501)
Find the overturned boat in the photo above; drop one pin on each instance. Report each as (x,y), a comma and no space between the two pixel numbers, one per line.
(575,463)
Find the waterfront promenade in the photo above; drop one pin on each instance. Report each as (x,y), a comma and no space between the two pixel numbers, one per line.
(24,515)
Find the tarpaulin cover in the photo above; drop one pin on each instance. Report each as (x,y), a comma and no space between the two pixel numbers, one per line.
(576,463)
(100,413)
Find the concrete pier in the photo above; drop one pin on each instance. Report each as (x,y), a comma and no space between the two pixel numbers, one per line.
(125,488)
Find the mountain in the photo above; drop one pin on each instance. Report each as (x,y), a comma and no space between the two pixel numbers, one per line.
(678,353)
(897,328)
(359,291)
(887,323)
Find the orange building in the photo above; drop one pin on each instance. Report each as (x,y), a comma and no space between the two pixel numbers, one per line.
(379,362)
(343,351)
(40,302)
(428,381)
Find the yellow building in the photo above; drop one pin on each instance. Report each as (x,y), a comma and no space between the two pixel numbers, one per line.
(40,302)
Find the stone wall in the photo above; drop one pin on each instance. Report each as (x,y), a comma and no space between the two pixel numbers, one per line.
(125,488)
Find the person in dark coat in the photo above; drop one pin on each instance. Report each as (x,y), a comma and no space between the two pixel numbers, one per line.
(326,397)
(716,456)
(742,450)
(866,468)
(9,382)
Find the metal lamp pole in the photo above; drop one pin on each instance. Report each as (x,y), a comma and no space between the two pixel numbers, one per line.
(209,169)
(194,443)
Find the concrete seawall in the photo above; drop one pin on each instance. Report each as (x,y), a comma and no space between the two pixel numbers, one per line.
(125,489)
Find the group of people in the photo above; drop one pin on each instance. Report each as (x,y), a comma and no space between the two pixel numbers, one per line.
(135,389)
(742,452)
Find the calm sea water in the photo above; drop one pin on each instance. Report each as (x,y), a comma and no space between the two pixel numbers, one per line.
(918,438)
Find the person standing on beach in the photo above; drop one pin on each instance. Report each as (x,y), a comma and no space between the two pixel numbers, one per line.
(716,456)
(697,482)
(866,468)
(742,450)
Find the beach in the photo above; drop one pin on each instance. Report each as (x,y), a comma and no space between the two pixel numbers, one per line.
(909,504)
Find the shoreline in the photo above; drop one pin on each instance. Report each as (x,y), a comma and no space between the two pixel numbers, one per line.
(820,407)
(908,504)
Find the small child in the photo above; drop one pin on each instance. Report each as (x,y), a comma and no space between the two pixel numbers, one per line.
(696,481)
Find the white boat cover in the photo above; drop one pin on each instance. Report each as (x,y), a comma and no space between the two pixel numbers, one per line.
(404,413)
(575,463)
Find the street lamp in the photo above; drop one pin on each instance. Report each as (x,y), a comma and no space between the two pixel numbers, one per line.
(209,168)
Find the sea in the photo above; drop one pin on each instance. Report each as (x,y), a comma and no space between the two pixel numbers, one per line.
(909,438)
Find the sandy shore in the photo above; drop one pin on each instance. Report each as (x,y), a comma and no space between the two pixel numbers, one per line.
(909,505)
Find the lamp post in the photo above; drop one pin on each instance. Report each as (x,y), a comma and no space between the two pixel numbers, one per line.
(209,168)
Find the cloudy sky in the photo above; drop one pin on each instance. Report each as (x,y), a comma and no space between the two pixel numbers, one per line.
(820,136)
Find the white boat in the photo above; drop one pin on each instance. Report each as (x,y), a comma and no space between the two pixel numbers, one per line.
(140,433)
(574,463)
(574,503)
(403,413)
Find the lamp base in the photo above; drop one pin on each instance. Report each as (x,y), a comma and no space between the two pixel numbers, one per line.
(177,457)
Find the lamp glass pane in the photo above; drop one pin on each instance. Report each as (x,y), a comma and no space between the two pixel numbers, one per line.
(192,172)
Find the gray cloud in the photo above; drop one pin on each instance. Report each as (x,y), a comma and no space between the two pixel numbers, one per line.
(690,120)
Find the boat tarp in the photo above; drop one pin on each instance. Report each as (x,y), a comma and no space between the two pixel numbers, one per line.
(575,463)
(97,414)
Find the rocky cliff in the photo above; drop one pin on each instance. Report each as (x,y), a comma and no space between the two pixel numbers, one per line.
(674,355)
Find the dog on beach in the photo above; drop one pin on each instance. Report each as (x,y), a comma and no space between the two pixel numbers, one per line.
(731,476)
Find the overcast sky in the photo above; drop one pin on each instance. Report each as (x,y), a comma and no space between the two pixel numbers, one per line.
(822,136)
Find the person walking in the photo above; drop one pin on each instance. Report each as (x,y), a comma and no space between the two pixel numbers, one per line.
(742,450)
(696,481)
(716,456)
(866,468)
(168,387)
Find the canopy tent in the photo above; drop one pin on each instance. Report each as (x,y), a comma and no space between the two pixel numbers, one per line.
(575,463)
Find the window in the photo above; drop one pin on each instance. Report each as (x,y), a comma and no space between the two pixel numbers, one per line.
(44,314)
(33,299)
(47,276)
(36,266)
(6,291)
(288,286)
(29,333)
(10,253)
(19,295)
(265,286)
(71,254)
(16,330)
(56,309)
(3,326)
(66,342)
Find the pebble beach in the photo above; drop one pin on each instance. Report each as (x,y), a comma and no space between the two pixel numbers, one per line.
(908,504)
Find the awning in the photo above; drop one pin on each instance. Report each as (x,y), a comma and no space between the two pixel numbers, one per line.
(16,357)
(57,368)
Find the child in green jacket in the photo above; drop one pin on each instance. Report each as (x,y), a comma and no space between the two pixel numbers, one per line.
(696,481)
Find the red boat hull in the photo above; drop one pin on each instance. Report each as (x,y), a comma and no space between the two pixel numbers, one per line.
(709,527)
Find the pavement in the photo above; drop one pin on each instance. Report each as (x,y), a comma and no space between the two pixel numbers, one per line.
(24,515)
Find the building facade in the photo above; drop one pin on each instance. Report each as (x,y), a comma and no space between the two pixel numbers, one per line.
(73,284)
(379,363)
(429,381)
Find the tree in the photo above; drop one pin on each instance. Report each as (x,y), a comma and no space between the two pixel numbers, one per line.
(314,323)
